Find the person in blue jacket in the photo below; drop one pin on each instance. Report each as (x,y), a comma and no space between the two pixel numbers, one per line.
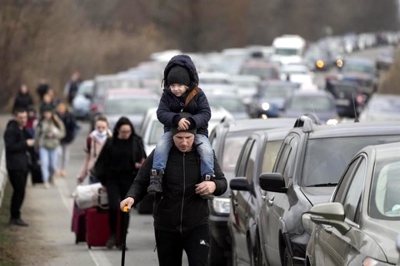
(182,94)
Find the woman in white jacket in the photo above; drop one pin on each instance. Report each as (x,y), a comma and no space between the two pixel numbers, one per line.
(94,143)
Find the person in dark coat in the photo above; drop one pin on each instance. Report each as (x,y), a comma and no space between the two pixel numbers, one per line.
(18,144)
(42,89)
(182,94)
(71,128)
(72,86)
(180,213)
(116,168)
(23,99)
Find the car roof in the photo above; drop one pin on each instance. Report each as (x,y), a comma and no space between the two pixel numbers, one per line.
(278,83)
(360,61)
(311,93)
(259,63)
(256,124)
(274,134)
(114,77)
(250,78)
(129,92)
(387,151)
(354,129)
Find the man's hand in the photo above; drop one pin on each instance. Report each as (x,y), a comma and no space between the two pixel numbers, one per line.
(80,179)
(127,202)
(30,142)
(205,188)
(183,124)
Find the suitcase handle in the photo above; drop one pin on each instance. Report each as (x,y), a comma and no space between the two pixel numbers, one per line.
(104,207)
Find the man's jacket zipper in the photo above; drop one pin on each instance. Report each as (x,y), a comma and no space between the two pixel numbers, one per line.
(184,188)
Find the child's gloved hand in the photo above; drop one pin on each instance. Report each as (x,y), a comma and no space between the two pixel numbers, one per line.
(183,124)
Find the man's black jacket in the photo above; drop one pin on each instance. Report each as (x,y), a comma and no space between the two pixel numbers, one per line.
(178,208)
(16,147)
(170,106)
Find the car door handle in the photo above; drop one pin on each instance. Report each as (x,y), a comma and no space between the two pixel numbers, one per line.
(264,197)
(328,229)
(271,201)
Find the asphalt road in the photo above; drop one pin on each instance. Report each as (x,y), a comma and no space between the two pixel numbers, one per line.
(50,214)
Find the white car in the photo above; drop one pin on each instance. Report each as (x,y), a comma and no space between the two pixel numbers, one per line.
(152,130)
(246,86)
(297,73)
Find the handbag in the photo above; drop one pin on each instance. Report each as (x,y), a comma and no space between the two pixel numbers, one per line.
(87,196)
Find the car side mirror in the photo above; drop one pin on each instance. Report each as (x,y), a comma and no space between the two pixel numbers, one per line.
(308,225)
(240,184)
(273,182)
(330,214)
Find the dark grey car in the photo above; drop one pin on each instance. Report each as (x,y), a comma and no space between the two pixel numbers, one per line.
(308,168)
(258,156)
(320,103)
(360,224)
(227,140)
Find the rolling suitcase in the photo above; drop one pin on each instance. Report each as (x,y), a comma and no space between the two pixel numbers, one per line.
(36,174)
(79,224)
(97,228)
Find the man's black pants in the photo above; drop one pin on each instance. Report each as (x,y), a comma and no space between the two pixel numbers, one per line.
(18,182)
(195,242)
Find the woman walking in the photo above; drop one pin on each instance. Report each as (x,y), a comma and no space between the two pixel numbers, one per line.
(23,99)
(119,161)
(48,133)
(71,129)
(94,143)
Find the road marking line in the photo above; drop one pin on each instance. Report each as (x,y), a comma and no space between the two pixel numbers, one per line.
(98,257)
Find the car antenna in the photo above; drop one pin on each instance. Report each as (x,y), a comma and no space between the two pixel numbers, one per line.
(354,109)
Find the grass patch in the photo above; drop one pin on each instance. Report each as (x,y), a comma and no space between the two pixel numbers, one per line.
(8,250)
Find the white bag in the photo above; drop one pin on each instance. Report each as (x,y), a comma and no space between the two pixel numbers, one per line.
(87,196)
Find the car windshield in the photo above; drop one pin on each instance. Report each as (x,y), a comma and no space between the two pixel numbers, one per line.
(103,86)
(233,145)
(85,88)
(156,131)
(276,91)
(311,103)
(262,72)
(359,68)
(384,202)
(286,51)
(385,105)
(326,159)
(232,105)
(126,106)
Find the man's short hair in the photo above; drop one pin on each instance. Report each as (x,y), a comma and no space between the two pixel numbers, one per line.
(19,110)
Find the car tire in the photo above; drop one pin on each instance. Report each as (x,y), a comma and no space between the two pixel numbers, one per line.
(256,254)
(216,255)
(287,258)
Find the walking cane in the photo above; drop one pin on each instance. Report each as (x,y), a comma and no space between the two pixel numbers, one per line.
(123,238)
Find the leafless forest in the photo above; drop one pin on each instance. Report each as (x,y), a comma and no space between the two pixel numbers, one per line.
(51,38)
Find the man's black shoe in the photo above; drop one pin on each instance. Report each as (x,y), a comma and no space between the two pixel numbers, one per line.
(18,222)
(111,242)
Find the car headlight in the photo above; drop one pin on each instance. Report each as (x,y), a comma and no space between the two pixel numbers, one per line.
(320,64)
(265,106)
(332,121)
(222,205)
(372,262)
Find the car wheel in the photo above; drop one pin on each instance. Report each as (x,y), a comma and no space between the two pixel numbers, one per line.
(256,255)
(216,256)
(287,258)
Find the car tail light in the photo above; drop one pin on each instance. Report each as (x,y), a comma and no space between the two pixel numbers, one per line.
(360,99)
(94,107)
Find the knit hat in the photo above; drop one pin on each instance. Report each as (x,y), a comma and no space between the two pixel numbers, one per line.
(174,130)
(178,75)
(47,108)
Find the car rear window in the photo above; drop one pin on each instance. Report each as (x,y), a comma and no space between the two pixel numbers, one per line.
(384,201)
(311,103)
(326,159)
(125,106)
(232,147)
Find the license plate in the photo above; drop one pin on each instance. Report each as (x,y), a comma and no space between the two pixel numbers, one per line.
(343,102)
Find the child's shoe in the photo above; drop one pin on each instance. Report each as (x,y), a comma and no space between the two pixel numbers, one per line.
(155,181)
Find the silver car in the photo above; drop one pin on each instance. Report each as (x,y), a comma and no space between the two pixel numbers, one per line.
(360,224)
